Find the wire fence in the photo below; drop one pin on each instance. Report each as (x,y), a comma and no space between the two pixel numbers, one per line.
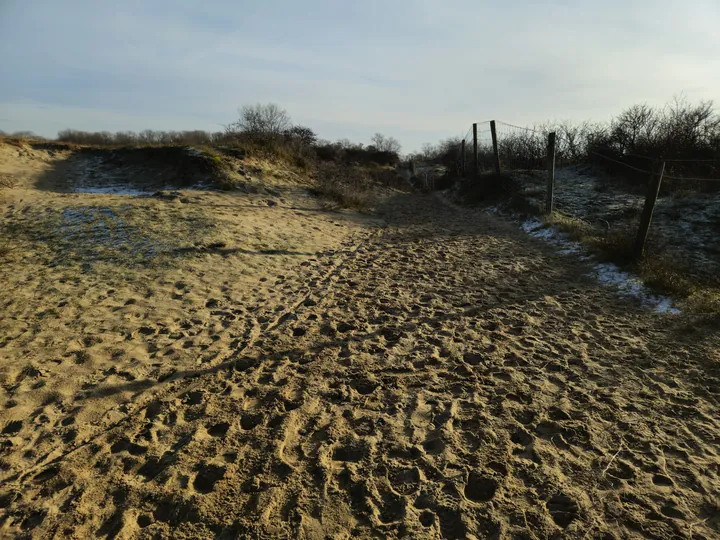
(525,148)
(510,148)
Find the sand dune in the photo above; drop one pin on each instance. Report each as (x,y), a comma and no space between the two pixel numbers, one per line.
(436,375)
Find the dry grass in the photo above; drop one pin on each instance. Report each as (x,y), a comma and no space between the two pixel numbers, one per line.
(658,269)
(7,181)
(346,186)
(666,274)
(6,241)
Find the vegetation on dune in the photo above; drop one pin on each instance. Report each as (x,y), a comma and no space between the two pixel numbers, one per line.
(347,173)
(685,135)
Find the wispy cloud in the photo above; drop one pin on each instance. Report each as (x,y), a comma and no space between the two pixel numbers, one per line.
(420,70)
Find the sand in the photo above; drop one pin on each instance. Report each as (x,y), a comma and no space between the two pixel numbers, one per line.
(436,374)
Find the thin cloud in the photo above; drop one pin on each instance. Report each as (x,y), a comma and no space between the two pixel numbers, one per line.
(419,70)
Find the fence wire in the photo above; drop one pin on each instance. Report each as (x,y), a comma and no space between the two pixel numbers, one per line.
(610,207)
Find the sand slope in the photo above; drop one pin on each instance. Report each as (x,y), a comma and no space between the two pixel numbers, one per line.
(442,376)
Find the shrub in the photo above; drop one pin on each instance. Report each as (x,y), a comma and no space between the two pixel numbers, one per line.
(345,185)
(384,144)
(143,138)
(686,136)
(261,120)
(488,187)
(347,152)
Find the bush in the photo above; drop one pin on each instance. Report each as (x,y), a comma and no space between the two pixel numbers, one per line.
(346,152)
(345,185)
(146,137)
(261,121)
(488,187)
(686,136)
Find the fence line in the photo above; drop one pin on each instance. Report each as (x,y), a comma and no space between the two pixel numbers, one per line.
(665,176)
(621,163)
(675,160)
(520,127)
(690,179)
(528,146)
(523,148)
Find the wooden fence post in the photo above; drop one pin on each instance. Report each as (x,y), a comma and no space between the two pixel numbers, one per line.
(551,172)
(476,168)
(647,213)
(495,146)
(462,159)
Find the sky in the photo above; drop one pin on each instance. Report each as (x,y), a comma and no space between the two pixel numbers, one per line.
(418,70)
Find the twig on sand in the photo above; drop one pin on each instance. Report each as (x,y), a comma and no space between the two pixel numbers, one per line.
(605,470)
(527,525)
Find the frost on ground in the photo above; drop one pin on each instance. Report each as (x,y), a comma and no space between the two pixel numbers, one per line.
(686,225)
(536,229)
(605,273)
(627,284)
(138,171)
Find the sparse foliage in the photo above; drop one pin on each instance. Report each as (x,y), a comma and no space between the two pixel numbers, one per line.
(385,144)
(302,134)
(261,120)
(25,135)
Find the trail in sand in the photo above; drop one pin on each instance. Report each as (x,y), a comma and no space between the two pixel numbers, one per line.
(445,376)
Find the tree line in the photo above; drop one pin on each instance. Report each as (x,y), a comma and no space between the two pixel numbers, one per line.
(264,126)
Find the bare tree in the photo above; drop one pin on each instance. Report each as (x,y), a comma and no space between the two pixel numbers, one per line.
(301,134)
(26,135)
(428,151)
(263,120)
(386,144)
(147,136)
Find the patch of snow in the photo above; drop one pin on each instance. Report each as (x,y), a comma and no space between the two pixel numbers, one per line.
(607,274)
(626,284)
(531,225)
(536,229)
(194,151)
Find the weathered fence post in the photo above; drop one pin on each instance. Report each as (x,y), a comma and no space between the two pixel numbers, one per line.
(647,213)
(476,168)
(493,131)
(462,159)
(551,172)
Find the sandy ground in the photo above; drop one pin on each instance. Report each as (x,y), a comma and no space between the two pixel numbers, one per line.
(438,375)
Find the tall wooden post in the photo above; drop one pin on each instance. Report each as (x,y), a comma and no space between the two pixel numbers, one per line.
(462,159)
(476,167)
(647,213)
(495,146)
(551,172)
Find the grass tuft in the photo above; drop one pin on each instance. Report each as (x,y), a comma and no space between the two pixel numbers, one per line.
(347,186)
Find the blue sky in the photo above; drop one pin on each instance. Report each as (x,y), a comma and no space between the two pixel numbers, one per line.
(419,70)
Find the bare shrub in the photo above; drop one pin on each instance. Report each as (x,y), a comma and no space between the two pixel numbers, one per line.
(347,152)
(26,135)
(130,138)
(685,135)
(385,144)
(261,120)
(347,186)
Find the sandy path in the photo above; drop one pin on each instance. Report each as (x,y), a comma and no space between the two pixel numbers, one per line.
(444,377)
